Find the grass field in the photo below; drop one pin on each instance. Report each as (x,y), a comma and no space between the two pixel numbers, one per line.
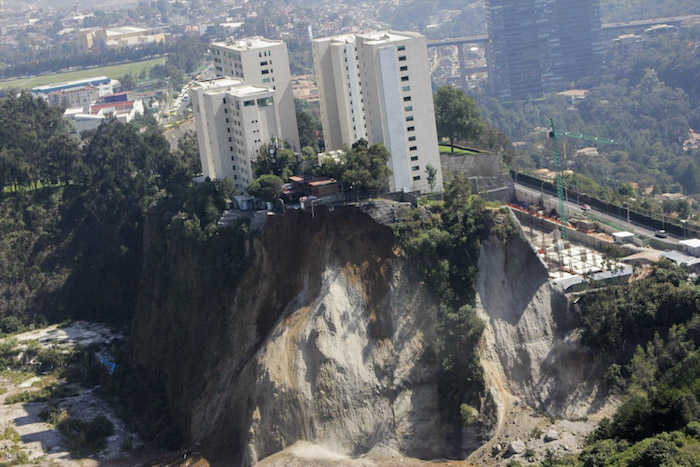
(445,148)
(110,71)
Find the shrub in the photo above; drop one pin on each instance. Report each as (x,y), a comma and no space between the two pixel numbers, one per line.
(613,374)
(468,414)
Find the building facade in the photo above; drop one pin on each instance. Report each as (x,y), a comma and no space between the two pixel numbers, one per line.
(378,86)
(539,46)
(233,119)
(74,97)
(262,62)
(340,91)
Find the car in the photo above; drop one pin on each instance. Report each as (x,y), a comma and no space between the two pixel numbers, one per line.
(661,234)
(585,207)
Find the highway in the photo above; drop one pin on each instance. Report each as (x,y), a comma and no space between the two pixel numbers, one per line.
(605,27)
(551,201)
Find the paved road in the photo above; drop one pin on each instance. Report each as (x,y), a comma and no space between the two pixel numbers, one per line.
(573,209)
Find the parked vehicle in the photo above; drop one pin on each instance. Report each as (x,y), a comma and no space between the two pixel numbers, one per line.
(585,207)
(660,234)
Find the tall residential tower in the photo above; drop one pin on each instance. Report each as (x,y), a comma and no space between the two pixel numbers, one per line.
(233,119)
(264,62)
(377,85)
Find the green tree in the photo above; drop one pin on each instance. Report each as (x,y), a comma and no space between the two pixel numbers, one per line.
(267,187)
(276,158)
(128,82)
(432,176)
(308,124)
(456,115)
(364,168)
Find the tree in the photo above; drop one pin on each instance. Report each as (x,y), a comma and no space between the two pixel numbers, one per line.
(432,176)
(308,125)
(128,82)
(365,168)
(456,115)
(267,187)
(276,158)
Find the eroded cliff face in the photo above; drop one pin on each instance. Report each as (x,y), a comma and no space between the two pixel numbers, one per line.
(531,350)
(324,340)
(326,336)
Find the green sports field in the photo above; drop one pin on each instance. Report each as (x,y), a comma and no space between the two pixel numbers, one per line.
(110,71)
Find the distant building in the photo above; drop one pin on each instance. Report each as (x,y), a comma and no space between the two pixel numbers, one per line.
(104,85)
(89,119)
(378,86)
(233,119)
(74,97)
(538,46)
(263,62)
(127,36)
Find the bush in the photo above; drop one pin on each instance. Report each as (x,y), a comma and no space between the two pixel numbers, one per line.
(468,414)
(85,437)
(613,374)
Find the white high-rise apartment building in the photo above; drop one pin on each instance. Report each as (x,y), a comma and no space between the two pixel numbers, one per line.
(377,85)
(264,62)
(233,119)
(340,92)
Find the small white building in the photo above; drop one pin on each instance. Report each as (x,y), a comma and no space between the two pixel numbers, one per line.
(623,237)
(96,113)
(691,246)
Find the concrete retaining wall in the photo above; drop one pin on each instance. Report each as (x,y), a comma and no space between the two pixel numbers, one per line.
(482,165)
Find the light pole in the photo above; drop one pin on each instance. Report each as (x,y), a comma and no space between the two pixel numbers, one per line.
(542,187)
(578,198)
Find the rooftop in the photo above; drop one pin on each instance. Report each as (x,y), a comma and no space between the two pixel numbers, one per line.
(692,243)
(385,37)
(124,30)
(347,38)
(249,43)
(216,83)
(71,84)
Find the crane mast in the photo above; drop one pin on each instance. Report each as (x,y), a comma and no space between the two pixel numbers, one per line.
(554,135)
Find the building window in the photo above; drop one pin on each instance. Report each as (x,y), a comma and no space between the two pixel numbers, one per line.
(248,103)
(224,100)
(409,118)
(263,63)
(402,47)
(406,88)
(402,58)
(226,119)
(407,99)
(233,158)
(265,72)
(404,78)
(411,128)
(411,138)
(413,148)
(230,148)
(266,80)
(415,179)
(415,168)
(414,158)
(404,68)
(408,108)
(225,111)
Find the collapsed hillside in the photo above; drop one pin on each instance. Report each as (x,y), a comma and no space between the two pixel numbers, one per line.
(318,330)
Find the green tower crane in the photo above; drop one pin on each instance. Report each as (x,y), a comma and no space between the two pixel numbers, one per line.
(555,135)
